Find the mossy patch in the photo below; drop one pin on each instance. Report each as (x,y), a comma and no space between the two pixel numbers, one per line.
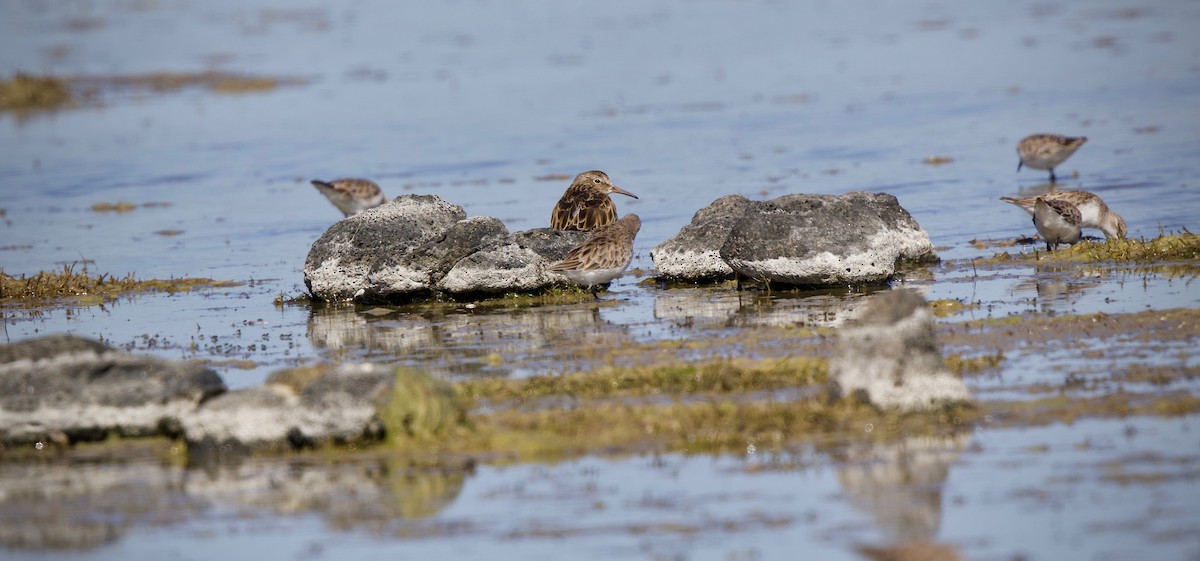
(949,307)
(220,82)
(1184,246)
(720,376)
(85,289)
(24,92)
(119,207)
(421,410)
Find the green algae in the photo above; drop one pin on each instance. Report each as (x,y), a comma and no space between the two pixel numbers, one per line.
(421,409)
(25,92)
(720,376)
(1184,246)
(949,307)
(84,289)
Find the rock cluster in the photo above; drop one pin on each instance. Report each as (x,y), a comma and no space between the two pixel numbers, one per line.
(66,389)
(420,245)
(804,240)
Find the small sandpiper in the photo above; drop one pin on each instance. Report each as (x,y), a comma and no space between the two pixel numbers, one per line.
(585,205)
(351,195)
(1057,221)
(1046,151)
(1092,210)
(602,257)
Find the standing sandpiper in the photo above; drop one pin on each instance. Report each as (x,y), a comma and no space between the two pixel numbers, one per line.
(585,205)
(602,257)
(1057,221)
(1092,210)
(350,195)
(1046,151)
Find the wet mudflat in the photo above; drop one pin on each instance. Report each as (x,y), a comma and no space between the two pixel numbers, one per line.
(1085,446)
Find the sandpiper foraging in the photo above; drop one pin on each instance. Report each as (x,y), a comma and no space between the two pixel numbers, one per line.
(602,257)
(1092,210)
(1046,151)
(1057,221)
(351,195)
(586,205)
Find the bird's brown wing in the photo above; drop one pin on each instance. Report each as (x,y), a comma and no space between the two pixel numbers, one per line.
(582,210)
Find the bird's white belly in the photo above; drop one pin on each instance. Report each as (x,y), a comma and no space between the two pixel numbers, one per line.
(594,276)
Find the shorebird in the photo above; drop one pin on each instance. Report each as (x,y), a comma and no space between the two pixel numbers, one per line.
(1092,210)
(1046,151)
(602,257)
(1057,221)
(585,205)
(351,195)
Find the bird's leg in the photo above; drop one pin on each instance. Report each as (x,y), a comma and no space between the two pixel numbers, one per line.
(1052,178)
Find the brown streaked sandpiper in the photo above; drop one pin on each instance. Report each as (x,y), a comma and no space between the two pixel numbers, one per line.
(1057,221)
(586,205)
(1046,151)
(351,195)
(602,257)
(1092,210)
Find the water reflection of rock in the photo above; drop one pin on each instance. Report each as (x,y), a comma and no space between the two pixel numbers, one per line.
(365,494)
(492,342)
(68,506)
(900,484)
(719,309)
(62,506)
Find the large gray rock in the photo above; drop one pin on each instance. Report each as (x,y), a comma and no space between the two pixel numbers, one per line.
(65,386)
(322,405)
(420,245)
(694,254)
(824,240)
(374,253)
(891,355)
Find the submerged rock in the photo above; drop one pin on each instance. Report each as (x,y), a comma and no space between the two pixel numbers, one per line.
(324,405)
(891,355)
(806,240)
(421,245)
(67,387)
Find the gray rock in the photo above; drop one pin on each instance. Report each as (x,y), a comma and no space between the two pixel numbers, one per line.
(66,386)
(462,239)
(313,406)
(420,245)
(694,254)
(516,264)
(551,245)
(370,254)
(823,240)
(496,270)
(890,354)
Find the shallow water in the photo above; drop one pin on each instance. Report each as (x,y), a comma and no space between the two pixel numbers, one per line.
(480,102)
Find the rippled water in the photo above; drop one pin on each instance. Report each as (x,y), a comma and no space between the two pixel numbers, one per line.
(480,102)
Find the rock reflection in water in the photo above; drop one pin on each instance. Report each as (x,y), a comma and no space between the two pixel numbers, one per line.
(707,308)
(504,342)
(353,495)
(900,484)
(70,506)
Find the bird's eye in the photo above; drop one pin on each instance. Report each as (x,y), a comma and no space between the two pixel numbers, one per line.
(595,180)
